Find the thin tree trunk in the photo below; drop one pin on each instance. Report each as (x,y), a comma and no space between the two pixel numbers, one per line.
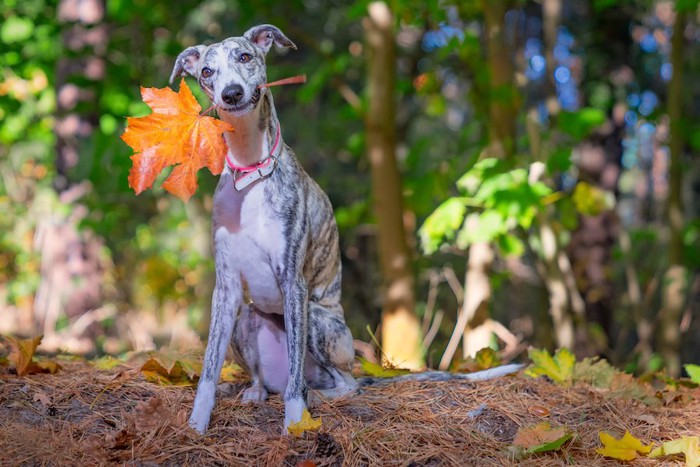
(501,127)
(501,89)
(400,334)
(669,338)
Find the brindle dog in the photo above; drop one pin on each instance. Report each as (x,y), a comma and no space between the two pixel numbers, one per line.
(275,243)
(277,289)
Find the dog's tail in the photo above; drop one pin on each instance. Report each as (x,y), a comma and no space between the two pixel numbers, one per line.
(483,375)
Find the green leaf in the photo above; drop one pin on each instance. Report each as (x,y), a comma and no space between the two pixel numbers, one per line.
(487,358)
(693,372)
(378,371)
(442,224)
(559,161)
(510,245)
(16,29)
(595,371)
(688,6)
(559,368)
(481,227)
(580,124)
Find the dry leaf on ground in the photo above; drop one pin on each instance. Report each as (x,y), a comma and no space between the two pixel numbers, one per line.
(21,356)
(541,437)
(174,134)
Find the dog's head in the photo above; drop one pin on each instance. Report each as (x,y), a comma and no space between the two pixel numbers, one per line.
(230,71)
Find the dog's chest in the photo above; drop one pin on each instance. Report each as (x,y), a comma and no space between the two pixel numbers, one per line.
(245,224)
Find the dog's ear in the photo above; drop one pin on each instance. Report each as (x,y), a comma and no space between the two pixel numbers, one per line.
(265,35)
(187,62)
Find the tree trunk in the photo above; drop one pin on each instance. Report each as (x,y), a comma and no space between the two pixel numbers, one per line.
(400,329)
(502,102)
(501,127)
(669,338)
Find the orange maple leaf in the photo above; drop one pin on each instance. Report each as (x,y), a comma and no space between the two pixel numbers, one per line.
(175,133)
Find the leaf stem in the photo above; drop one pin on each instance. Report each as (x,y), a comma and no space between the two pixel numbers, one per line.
(299,79)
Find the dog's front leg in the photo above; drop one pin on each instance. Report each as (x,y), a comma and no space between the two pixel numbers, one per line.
(296,319)
(225,303)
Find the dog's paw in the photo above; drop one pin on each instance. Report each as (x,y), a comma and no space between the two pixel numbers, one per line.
(293,412)
(198,424)
(254,394)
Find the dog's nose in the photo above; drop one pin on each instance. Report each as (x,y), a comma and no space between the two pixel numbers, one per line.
(232,94)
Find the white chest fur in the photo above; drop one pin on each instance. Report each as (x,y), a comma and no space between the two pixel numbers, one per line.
(245,223)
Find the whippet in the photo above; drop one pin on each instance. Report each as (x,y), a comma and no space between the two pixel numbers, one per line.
(277,291)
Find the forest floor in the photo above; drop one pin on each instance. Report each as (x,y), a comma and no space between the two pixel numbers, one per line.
(85,416)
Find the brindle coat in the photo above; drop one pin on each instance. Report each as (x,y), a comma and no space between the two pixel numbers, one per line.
(275,246)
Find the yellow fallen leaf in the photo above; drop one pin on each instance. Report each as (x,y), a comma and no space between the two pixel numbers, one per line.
(689,446)
(155,372)
(231,372)
(625,448)
(305,424)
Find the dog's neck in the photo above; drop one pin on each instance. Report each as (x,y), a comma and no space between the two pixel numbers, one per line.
(254,133)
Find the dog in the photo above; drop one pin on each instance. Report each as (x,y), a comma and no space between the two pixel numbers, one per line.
(275,239)
(278,271)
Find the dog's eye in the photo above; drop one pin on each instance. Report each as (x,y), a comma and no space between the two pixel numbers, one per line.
(245,58)
(207,72)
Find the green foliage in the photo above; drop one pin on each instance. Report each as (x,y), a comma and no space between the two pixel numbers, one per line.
(693,372)
(497,202)
(580,124)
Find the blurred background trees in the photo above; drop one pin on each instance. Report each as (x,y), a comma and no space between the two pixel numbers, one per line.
(504,173)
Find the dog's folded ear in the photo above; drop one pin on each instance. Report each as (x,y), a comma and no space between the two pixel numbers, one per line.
(265,35)
(187,62)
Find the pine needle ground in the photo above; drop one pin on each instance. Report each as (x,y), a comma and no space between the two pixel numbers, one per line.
(84,416)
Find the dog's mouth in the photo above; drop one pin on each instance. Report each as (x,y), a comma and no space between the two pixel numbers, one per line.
(243,107)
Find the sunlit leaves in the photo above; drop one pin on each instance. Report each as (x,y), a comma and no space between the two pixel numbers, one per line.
(442,224)
(625,448)
(174,134)
(559,368)
(168,370)
(688,446)
(496,202)
(307,423)
(693,372)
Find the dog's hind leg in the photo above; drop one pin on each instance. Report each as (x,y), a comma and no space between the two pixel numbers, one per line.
(331,347)
(225,303)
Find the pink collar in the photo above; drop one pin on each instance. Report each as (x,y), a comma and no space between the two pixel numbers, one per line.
(257,171)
